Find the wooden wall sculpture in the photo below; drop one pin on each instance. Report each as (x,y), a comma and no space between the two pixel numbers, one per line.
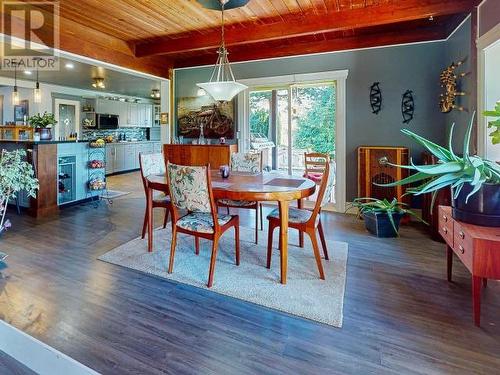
(449,79)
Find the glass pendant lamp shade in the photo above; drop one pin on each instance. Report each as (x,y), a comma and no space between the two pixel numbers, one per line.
(222,85)
(222,91)
(15,96)
(37,94)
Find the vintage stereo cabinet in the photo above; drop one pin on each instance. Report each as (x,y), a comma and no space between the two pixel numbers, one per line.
(373,169)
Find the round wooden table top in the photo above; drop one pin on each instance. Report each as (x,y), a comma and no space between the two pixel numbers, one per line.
(267,186)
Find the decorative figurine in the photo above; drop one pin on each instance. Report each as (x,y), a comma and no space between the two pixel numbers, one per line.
(449,81)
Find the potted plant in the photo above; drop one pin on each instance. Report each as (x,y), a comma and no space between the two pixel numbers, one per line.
(495,134)
(381,216)
(16,174)
(474,181)
(43,124)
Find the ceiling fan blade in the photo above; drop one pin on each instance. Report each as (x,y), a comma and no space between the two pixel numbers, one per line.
(215,4)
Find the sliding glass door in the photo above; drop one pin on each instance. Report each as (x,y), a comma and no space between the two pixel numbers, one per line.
(298,118)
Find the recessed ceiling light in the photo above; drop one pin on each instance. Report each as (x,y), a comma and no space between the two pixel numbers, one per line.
(28,72)
(69,65)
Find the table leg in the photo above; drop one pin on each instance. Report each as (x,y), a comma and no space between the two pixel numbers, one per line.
(150,218)
(476,299)
(449,261)
(301,234)
(283,208)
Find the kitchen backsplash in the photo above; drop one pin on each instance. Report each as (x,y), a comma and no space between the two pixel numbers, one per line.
(130,133)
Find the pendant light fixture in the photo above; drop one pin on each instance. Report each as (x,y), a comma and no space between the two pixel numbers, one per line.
(37,94)
(222,85)
(15,93)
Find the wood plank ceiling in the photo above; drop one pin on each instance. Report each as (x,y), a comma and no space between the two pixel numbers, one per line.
(155,35)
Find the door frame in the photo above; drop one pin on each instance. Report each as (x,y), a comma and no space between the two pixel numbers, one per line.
(340,77)
(490,38)
(77,105)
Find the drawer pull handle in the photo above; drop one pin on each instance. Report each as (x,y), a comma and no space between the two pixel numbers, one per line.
(462,235)
(461,248)
(445,230)
(445,218)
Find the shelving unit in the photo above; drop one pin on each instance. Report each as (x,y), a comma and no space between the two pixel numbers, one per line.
(96,185)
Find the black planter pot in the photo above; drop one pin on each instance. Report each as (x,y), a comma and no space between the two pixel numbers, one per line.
(45,134)
(483,208)
(380,225)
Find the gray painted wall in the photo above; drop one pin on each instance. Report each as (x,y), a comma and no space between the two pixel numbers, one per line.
(415,67)
(458,47)
(489,16)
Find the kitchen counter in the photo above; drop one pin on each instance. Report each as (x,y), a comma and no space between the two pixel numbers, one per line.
(32,142)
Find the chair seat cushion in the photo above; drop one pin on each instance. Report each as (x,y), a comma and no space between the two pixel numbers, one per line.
(316,177)
(295,215)
(201,222)
(161,198)
(233,203)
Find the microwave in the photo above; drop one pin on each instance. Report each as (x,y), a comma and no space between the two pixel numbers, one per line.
(105,121)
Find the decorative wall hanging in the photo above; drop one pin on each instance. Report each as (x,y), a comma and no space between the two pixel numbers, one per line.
(407,106)
(449,81)
(216,118)
(376,98)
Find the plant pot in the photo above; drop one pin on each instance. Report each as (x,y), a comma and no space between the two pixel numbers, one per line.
(483,208)
(45,134)
(380,225)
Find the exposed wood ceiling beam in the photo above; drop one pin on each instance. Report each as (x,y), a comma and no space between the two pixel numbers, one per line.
(340,44)
(249,32)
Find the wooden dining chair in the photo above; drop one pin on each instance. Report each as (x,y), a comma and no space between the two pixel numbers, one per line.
(246,162)
(315,163)
(307,221)
(151,164)
(191,191)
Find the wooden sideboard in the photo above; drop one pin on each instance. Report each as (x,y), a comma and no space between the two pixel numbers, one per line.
(478,248)
(215,155)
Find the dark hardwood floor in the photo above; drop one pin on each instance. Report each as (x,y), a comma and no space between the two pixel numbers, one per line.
(401,316)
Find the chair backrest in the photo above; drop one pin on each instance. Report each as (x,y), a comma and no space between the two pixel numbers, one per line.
(190,188)
(325,189)
(246,162)
(151,164)
(315,162)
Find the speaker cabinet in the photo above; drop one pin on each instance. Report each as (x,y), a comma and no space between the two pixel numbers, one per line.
(373,168)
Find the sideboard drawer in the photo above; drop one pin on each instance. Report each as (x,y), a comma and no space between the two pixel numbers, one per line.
(446,227)
(463,245)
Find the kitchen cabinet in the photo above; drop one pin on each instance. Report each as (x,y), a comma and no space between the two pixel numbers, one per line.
(110,159)
(121,157)
(129,114)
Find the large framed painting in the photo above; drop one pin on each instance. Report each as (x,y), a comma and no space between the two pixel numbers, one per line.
(217,119)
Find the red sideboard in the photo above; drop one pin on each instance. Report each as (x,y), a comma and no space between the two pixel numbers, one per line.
(478,248)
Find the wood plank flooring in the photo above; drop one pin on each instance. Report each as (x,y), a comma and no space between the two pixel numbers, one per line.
(400,314)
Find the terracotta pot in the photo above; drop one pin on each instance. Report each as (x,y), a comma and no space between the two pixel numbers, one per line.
(45,134)
(483,208)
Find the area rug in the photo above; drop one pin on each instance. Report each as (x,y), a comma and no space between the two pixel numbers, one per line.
(304,295)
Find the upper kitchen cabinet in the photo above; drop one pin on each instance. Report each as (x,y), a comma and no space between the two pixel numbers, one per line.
(130,114)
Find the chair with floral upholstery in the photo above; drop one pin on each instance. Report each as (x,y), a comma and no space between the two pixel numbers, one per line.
(191,192)
(250,162)
(151,164)
(307,221)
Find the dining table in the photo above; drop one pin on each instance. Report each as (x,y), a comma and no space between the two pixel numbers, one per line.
(260,187)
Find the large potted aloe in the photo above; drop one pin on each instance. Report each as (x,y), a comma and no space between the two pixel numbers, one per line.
(474,181)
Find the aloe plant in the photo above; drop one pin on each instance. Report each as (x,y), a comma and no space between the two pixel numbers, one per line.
(383,206)
(451,170)
(495,134)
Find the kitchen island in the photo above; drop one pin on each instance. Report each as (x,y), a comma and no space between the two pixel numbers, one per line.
(63,170)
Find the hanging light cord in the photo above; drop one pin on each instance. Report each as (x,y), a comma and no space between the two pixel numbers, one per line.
(222,70)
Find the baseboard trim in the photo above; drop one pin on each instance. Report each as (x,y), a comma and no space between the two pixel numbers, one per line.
(36,355)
